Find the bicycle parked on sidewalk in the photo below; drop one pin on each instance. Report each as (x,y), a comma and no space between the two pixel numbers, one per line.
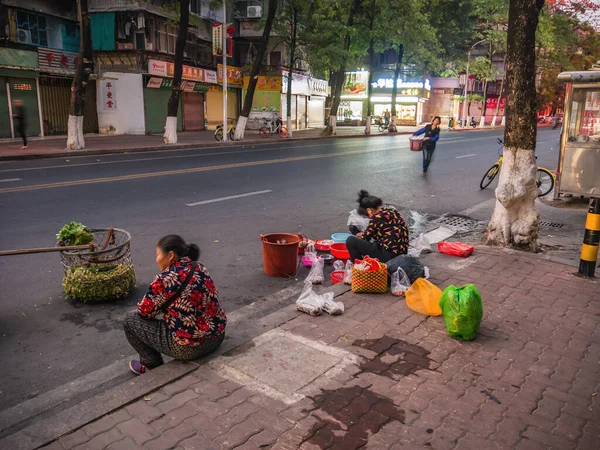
(544,179)
(274,126)
(230,131)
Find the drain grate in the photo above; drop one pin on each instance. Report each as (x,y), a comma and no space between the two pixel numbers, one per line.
(458,222)
(551,224)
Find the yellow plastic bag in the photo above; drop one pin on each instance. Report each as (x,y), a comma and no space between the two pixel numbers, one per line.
(424,297)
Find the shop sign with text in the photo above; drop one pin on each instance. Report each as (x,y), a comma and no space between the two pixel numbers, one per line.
(167,69)
(234,74)
(57,61)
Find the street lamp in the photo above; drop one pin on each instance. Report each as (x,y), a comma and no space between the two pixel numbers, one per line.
(467,81)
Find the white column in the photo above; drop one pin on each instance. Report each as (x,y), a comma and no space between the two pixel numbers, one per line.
(37,86)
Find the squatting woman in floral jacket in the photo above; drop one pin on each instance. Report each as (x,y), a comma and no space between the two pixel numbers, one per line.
(193,321)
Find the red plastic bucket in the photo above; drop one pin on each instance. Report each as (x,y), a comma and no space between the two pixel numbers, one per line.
(280,259)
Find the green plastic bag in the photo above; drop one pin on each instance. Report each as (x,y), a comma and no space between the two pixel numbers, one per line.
(462,310)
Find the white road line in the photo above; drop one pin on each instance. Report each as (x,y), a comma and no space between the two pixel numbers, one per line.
(466,156)
(231,197)
(11,179)
(390,170)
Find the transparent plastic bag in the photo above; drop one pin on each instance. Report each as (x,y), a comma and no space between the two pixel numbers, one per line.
(316,275)
(310,302)
(400,283)
(348,273)
(419,245)
(413,267)
(338,265)
(332,307)
(358,221)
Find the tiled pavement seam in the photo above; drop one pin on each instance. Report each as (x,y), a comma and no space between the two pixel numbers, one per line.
(529,381)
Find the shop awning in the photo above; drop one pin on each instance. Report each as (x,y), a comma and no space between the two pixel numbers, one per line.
(12,58)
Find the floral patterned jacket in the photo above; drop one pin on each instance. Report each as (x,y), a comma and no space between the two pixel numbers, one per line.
(197,314)
(389,230)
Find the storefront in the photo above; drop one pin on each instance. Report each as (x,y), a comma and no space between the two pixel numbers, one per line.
(214,98)
(308,100)
(266,102)
(19,75)
(353,104)
(410,98)
(57,69)
(157,90)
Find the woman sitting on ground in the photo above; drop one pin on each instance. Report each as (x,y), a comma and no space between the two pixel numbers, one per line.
(193,321)
(387,231)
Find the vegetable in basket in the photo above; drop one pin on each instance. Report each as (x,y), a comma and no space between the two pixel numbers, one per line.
(74,233)
(111,281)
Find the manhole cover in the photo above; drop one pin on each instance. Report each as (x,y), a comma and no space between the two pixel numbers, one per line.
(459,223)
(551,224)
(283,365)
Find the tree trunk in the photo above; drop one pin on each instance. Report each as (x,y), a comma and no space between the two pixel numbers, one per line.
(515,220)
(84,68)
(371,51)
(256,66)
(294,20)
(484,109)
(170,136)
(341,73)
(500,96)
(395,87)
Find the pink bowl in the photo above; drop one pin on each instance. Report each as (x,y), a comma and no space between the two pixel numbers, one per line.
(306,261)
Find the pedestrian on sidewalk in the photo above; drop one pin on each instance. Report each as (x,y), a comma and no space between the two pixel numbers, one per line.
(193,321)
(386,236)
(432,135)
(387,116)
(20,120)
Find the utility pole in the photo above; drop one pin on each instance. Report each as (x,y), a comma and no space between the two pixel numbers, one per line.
(467,82)
(224,34)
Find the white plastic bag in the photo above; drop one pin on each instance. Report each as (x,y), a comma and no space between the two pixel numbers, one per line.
(310,302)
(348,273)
(316,275)
(332,307)
(360,222)
(400,283)
(419,245)
(338,265)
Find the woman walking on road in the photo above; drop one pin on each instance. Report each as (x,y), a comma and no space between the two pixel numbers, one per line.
(193,321)
(432,135)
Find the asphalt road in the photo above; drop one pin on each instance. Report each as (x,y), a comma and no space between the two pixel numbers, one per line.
(47,341)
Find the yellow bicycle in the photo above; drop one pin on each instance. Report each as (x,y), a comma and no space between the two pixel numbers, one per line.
(544,179)
(230,131)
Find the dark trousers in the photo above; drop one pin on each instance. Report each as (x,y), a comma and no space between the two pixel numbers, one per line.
(359,248)
(20,124)
(151,337)
(428,148)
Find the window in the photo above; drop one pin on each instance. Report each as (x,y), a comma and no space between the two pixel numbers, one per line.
(31,28)
(161,37)
(172,37)
(584,124)
(275,58)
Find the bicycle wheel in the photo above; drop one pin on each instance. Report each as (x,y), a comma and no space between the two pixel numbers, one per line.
(381,128)
(231,133)
(544,181)
(265,132)
(219,134)
(283,133)
(489,176)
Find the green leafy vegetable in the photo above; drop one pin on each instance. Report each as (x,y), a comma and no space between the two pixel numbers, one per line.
(75,233)
(107,282)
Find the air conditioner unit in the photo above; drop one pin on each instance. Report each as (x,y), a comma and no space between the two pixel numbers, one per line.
(24,36)
(254,12)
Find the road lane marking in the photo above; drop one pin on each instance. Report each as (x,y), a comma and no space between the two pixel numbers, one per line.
(390,170)
(139,176)
(231,197)
(11,179)
(197,155)
(466,156)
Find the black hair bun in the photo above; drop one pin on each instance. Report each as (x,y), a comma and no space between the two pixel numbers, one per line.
(362,195)
(193,252)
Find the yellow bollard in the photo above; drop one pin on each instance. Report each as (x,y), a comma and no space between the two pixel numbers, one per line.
(591,240)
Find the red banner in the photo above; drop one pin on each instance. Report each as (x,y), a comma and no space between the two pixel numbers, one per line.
(492,103)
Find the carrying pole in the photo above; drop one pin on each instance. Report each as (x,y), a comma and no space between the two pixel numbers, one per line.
(591,240)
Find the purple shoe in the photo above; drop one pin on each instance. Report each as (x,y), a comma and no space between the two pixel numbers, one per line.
(137,367)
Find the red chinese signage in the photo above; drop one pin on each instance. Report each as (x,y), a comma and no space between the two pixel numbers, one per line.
(57,61)
(234,74)
(109,99)
(492,103)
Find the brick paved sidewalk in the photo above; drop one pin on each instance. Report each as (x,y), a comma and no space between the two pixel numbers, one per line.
(381,376)
(55,146)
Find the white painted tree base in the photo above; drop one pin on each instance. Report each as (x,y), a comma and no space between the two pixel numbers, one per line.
(75,139)
(170,136)
(368,126)
(332,125)
(240,128)
(482,122)
(503,122)
(289,125)
(515,220)
(494,121)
